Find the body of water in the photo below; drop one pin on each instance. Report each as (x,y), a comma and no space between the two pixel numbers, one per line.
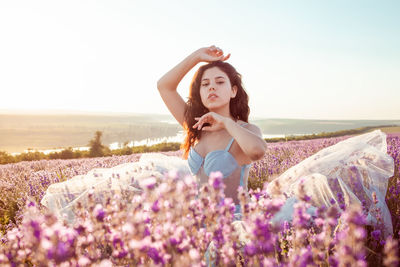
(179,138)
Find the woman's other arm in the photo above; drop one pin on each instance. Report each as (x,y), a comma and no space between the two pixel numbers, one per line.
(249,138)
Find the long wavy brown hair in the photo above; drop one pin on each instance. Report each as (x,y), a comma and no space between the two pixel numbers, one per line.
(238,106)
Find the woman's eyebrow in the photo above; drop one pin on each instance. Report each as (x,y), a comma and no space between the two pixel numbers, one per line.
(215,78)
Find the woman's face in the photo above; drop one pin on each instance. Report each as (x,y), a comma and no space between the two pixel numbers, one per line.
(215,89)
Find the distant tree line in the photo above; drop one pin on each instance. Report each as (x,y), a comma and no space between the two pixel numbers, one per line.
(97,149)
(360,130)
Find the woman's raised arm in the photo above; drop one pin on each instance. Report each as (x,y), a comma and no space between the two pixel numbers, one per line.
(168,83)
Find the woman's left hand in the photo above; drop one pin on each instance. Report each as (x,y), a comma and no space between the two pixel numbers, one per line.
(216,121)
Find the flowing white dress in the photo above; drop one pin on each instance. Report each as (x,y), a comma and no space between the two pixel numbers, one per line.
(355,168)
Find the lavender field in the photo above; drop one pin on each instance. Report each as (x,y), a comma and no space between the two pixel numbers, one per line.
(178,224)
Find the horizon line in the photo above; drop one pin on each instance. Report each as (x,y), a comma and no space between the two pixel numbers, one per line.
(131,113)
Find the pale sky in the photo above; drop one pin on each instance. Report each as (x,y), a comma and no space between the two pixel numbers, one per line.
(299,59)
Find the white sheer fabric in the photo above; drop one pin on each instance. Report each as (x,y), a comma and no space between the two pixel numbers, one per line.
(355,168)
(62,197)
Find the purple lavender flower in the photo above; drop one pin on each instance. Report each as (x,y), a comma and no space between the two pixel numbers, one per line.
(36,229)
(154,254)
(148,183)
(117,240)
(250,249)
(61,252)
(376,234)
(122,254)
(341,201)
(99,213)
(305,258)
(215,180)
(155,207)
(173,241)
(146,232)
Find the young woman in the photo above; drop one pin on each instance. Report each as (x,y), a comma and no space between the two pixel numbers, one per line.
(219,138)
(215,118)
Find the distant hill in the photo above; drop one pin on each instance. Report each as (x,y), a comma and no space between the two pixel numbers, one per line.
(19,132)
(299,126)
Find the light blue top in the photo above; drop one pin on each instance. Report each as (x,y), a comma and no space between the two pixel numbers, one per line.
(217,160)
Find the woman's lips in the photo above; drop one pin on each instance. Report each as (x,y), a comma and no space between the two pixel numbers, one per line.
(211,96)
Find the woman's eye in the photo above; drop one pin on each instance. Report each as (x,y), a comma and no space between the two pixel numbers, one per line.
(205,84)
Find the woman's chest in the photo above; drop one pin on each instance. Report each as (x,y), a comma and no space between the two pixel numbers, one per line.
(219,148)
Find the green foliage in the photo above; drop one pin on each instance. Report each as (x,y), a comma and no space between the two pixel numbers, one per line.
(6,158)
(162,147)
(96,147)
(8,212)
(158,147)
(61,176)
(30,155)
(67,153)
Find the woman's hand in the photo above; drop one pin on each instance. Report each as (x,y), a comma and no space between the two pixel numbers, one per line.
(216,122)
(211,53)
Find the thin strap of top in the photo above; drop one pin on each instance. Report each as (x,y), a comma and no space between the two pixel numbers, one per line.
(229,145)
(230,142)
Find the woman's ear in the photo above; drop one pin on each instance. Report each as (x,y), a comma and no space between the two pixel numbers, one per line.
(234,91)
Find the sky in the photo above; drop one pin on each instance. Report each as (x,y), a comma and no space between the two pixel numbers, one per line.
(331,60)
